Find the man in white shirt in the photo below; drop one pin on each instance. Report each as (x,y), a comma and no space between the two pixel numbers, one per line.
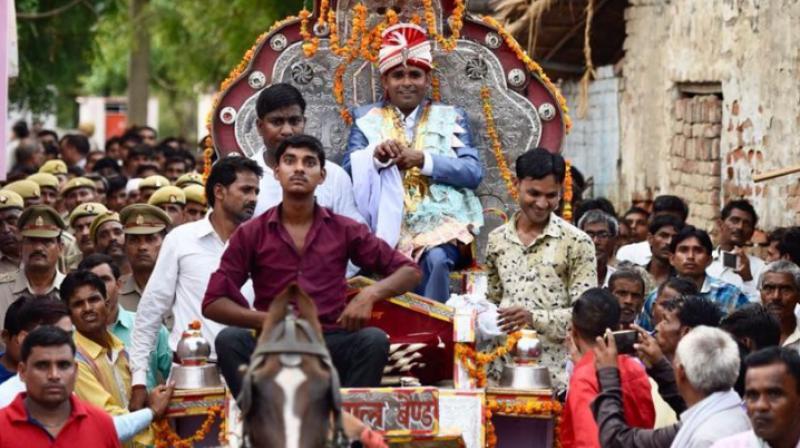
(280,109)
(736,226)
(189,255)
(639,253)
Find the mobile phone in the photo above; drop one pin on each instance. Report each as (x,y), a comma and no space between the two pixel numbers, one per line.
(729,260)
(625,340)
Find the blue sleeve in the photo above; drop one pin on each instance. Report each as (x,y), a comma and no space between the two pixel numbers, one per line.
(464,171)
(357,140)
(128,425)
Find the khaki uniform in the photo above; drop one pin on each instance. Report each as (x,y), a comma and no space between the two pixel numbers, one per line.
(141,219)
(7,264)
(130,294)
(71,254)
(14,284)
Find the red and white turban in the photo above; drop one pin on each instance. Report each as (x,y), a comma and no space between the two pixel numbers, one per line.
(404,43)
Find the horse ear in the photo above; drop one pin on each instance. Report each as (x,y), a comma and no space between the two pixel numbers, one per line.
(277,311)
(307,310)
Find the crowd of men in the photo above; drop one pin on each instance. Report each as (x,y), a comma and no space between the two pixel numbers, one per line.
(107,256)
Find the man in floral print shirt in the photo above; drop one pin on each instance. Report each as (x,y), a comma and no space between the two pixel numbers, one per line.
(539,264)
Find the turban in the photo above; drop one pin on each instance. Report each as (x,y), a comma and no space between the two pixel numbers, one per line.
(404,43)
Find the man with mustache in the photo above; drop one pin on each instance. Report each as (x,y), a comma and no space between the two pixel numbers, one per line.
(80,220)
(414,166)
(145,227)
(736,226)
(627,285)
(188,256)
(120,321)
(108,237)
(11,205)
(40,227)
(780,294)
(104,376)
(772,399)
(48,414)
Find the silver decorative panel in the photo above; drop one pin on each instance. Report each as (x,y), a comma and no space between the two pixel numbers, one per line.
(462,74)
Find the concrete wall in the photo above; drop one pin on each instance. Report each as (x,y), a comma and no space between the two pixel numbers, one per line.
(751,48)
(593,144)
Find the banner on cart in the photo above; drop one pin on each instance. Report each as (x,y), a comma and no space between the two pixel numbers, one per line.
(395,411)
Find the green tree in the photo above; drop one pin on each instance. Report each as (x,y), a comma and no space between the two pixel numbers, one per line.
(56,44)
(85,51)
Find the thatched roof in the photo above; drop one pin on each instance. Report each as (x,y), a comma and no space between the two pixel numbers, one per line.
(553,31)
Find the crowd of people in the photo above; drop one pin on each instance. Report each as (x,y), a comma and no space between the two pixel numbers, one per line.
(108,255)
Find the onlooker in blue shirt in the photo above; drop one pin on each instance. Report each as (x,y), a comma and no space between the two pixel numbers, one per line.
(690,254)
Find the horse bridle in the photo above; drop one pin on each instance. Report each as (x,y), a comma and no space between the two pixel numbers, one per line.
(283,341)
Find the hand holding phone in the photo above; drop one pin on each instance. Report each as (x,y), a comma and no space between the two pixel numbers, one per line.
(624,340)
(729,259)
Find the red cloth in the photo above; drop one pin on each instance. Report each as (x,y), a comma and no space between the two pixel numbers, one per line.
(262,249)
(578,427)
(87,426)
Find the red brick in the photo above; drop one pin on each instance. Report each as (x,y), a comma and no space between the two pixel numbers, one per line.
(715,149)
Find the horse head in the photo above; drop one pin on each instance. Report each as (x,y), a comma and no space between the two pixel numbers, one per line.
(291,388)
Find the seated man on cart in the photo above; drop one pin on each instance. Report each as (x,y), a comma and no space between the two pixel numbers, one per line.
(413,164)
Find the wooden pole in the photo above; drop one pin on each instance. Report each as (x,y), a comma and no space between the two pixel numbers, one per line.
(776,173)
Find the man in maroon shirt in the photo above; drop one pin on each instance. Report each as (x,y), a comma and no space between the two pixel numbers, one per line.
(48,414)
(300,241)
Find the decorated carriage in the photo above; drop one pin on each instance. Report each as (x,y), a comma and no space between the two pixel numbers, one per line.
(329,54)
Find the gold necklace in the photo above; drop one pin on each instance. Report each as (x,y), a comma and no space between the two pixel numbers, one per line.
(414,183)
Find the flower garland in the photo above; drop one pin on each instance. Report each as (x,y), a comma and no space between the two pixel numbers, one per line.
(497,145)
(532,66)
(166,437)
(208,154)
(436,93)
(566,212)
(456,19)
(237,71)
(476,362)
(533,407)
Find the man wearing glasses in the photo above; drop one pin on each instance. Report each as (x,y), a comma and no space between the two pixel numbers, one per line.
(602,228)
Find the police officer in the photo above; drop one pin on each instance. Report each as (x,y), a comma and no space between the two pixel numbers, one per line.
(11,205)
(172,200)
(80,220)
(41,227)
(196,205)
(145,227)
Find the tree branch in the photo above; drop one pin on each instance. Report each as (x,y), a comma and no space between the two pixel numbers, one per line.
(51,13)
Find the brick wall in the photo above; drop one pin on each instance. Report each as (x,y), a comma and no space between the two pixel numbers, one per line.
(694,157)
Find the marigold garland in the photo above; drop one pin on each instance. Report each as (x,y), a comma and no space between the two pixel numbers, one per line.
(497,145)
(208,154)
(475,362)
(166,437)
(436,93)
(532,66)
(456,19)
(566,212)
(237,71)
(538,407)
